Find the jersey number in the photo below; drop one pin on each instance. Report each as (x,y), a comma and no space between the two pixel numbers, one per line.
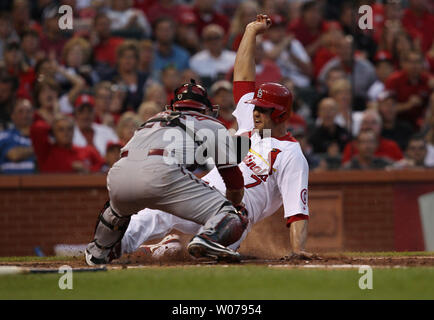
(258,180)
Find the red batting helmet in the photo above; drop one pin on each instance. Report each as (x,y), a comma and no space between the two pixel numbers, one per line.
(274,96)
(192,96)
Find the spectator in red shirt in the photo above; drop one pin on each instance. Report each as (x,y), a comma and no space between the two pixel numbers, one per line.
(104,45)
(419,23)
(308,28)
(61,156)
(206,14)
(14,65)
(386,148)
(389,13)
(367,158)
(412,86)
(52,39)
(329,49)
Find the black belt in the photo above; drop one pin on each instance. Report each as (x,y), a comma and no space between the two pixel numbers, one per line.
(152,152)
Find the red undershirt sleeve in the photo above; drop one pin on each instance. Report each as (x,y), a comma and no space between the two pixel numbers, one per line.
(241,88)
(295,218)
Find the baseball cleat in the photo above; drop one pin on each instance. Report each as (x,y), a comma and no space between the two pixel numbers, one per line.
(92,261)
(169,246)
(200,247)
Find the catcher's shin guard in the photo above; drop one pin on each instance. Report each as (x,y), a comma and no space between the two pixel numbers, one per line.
(109,231)
(226,227)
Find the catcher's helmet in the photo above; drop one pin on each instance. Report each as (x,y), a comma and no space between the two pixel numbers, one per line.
(274,96)
(191,96)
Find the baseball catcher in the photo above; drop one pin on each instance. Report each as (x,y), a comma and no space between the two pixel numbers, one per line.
(155,172)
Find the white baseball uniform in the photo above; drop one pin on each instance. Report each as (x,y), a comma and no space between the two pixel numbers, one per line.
(275,172)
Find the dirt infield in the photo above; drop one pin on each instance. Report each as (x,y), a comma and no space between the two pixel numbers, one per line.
(182,259)
(268,253)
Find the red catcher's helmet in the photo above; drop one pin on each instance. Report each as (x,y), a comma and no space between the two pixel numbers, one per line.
(274,96)
(191,96)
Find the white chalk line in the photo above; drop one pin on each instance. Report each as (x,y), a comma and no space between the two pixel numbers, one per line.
(332,266)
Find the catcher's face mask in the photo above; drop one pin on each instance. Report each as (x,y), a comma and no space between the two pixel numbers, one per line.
(191,96)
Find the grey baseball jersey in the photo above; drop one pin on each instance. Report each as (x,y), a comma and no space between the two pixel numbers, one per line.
(140,180)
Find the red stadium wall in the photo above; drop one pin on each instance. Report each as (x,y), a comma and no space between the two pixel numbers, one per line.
(358,211)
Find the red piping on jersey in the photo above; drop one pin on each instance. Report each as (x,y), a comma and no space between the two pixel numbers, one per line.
(272,156)
(286,137)
(297,217)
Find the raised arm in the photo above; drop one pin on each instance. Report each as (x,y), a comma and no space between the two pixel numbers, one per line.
(244,68)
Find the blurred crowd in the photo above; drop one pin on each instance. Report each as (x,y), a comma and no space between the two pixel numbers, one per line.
(70,99)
